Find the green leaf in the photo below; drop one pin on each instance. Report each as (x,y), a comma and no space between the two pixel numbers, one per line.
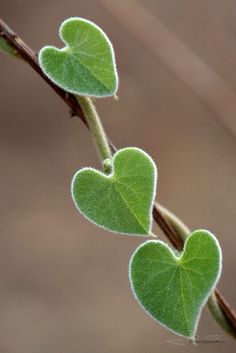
(122,201)
(6,48)
(173,290)
(86,65)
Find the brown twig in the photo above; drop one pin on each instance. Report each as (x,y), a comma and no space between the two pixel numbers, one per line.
(31,58)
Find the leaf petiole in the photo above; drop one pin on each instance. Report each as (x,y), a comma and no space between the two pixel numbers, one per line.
(96,129)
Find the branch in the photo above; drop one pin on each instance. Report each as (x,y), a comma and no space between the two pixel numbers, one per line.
(30,57)
(160,216)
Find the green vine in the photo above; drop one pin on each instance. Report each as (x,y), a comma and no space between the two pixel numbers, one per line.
(96,128)
(172,287)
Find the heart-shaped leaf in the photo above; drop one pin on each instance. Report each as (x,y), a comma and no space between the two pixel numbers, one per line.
(174,289)
(122,201)
(86,65)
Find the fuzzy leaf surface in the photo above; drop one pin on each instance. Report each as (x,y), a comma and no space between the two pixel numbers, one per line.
(86,65)
(174,289)
(122,201)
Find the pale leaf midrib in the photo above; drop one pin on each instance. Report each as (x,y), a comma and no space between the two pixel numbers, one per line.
(130,209)
(91,72)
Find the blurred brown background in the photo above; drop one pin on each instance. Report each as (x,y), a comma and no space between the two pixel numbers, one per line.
(64,284)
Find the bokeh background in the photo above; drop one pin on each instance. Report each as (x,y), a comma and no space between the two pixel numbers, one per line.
(63,282)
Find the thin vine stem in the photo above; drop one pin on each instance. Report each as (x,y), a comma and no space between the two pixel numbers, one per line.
(178,225)
(96,128)
(163,219)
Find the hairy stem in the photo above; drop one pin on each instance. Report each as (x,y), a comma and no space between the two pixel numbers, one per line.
(96,128)
(161,217)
